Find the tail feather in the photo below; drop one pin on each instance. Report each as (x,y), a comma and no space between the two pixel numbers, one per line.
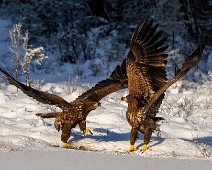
(48,115)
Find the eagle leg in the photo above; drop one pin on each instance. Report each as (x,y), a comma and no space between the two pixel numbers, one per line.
(66,130)
(82,126)
(147,136)
(133,136)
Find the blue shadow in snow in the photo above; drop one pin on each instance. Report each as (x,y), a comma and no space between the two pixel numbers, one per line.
(110,136)
(202,140)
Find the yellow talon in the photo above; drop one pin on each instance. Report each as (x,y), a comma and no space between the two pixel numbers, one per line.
(131,149)
(86,131)
(66,145)
(145,148)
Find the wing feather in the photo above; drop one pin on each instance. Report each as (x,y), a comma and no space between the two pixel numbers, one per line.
(190,62)
(146,61)
(40,96)
(116,81)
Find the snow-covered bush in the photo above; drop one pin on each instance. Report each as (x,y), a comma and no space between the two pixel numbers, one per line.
(15,37)
(77,31)
(22,52)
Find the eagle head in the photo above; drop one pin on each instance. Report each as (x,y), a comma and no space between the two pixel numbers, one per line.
(89,106)
(132,102)
(129,98)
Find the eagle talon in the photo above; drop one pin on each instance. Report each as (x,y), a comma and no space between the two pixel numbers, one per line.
(145,148)
(66,145)
(131,149)
(86,131)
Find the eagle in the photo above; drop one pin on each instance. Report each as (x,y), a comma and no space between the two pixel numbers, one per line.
(75,112)
(146,72)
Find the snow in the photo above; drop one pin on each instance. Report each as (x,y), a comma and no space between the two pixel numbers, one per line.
(69,159)
(29,142)
(183,135)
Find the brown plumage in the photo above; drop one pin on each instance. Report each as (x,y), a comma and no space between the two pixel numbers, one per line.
(146,71)
(190,62)
(75,112)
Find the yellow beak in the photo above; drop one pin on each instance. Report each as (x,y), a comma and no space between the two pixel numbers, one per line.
(124,99)
(97,104)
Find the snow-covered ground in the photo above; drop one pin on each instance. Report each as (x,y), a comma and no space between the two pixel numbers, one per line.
(80,160)
(186,132)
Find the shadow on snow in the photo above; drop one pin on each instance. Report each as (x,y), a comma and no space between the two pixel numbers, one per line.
(111,136)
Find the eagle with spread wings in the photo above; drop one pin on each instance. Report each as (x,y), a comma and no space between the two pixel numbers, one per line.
(143,72)
(75,112)
(146,72)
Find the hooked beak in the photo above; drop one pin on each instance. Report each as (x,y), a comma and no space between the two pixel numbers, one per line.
(97,104)
(124,99)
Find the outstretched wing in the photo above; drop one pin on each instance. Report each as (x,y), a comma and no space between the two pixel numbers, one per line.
(40,96)
(146,61)
(116,81)
(191,61)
